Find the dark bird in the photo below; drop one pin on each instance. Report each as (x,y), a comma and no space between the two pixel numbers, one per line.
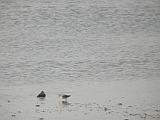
(42,95)
(63,96)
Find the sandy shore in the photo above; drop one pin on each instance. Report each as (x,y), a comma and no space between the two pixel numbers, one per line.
(95,103)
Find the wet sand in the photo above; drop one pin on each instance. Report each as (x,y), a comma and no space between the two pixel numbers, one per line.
(97,101)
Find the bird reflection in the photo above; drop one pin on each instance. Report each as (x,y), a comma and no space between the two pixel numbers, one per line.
(63,103)
(41,98)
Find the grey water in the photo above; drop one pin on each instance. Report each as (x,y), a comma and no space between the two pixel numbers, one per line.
(71,46)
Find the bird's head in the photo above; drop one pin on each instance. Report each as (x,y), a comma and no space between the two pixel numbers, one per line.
(59,95)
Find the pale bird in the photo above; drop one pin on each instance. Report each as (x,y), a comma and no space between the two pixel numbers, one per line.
(63,96)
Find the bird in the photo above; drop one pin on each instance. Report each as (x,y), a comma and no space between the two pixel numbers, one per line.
(42,95)
(63,96)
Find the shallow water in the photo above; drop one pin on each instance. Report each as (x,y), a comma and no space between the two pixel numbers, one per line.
(101,52)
